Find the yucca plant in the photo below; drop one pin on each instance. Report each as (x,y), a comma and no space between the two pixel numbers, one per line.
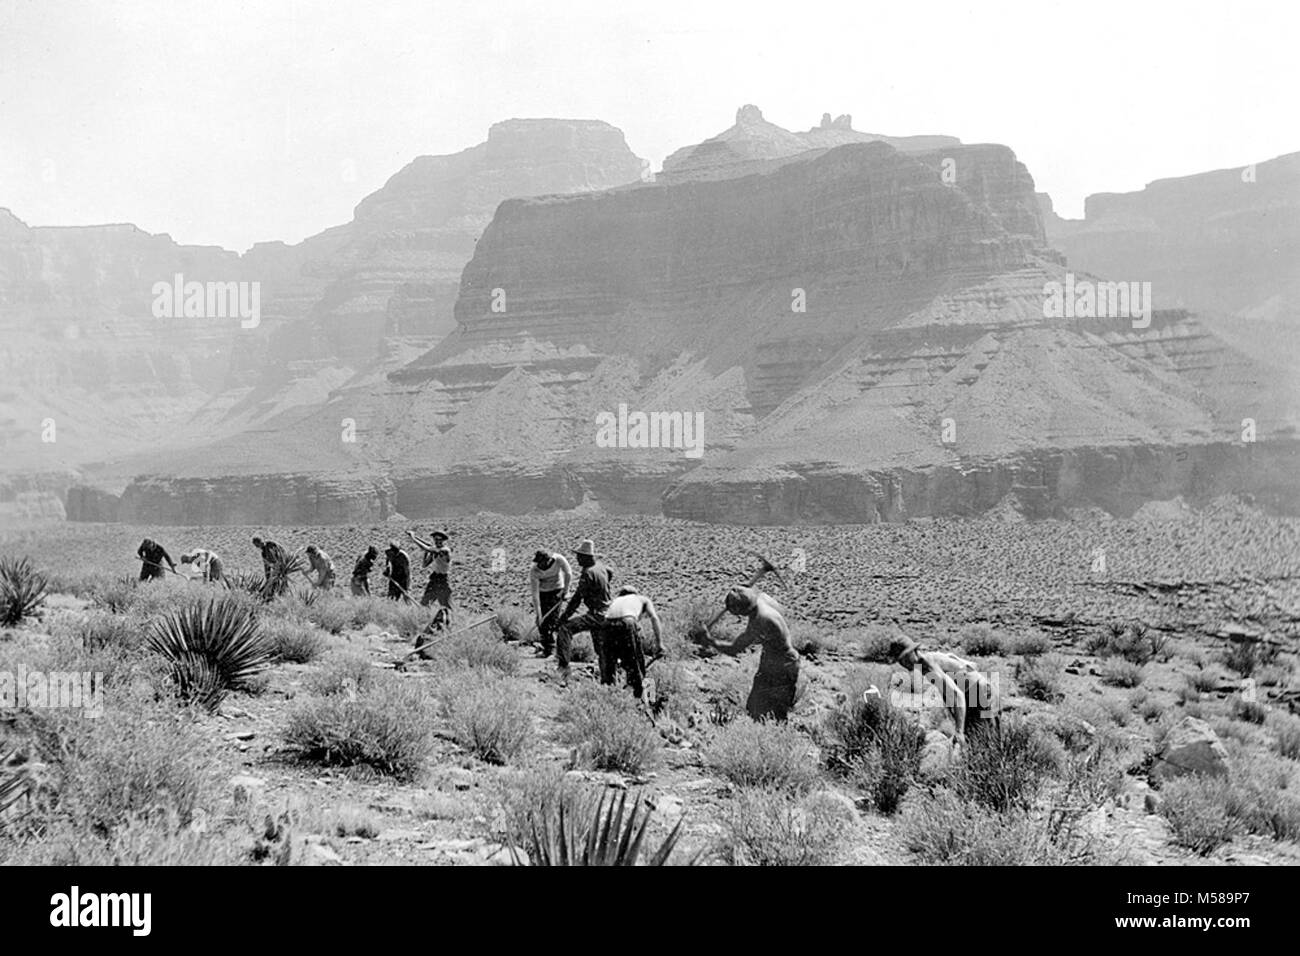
(307,596)
(22,590)
(14,785)
(213,646)
(594,836)
(280,572)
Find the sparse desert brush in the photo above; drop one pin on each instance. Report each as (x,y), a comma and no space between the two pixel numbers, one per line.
(524,795)
(387,728)
(608,730)
(813,644)
(329,612)
(981,640)
(1196,810)
(1205,680)
(1135,643)
(728,700)
(1007,770)
(685,628)
(116,595)
(581,650)
(293,641)
(774,827)
(1150,708)
(342,672)
(489,716)
(1273,675)
(873,643)
(676,694)
(1122,673)
(1039,678)
(1030,645)
(874,744)
(1251,711)
(153,838)
(22,590)
(1286,734)
(212,646)
(763,754)
(132,763)
(99,628)
(351,820)
(476,649)
(942,828)
(1245,657)
(1230,729)
(513,624)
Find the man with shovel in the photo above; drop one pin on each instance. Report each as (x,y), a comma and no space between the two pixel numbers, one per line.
(397,568)
(548,581)
(592,590)
(152,556)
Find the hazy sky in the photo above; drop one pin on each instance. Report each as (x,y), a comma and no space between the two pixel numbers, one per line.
(231,122)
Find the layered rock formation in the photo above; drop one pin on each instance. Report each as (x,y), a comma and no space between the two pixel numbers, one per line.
(82,346)
(754,144)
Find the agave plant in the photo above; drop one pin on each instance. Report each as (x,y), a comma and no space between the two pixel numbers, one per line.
(307,596)
(243,581)
(1116,630)
(279,572)
(594,836)
(213,646)
(22,590)
(14,785)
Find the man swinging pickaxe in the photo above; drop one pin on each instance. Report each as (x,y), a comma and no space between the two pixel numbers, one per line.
(765,567)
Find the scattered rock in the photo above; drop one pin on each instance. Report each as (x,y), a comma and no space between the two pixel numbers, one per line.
(245,787)
(1191,747)
(669,807)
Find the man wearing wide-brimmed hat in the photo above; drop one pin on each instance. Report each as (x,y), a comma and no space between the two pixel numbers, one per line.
(970,698)
(593,590)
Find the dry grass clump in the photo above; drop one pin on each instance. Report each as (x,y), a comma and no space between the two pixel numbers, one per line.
(981,640)
(775,827)
(608,730)
(342,672)
(476,649)
(1039,678)
(294,642)
(1121,673)
(489,716)
(763,754)
(387,728)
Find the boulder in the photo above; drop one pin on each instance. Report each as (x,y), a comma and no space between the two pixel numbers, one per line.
(1191,747)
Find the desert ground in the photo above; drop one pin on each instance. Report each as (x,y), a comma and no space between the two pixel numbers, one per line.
(1147,670)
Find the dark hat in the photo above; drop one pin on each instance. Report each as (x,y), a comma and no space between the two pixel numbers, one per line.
(541,557)
(440,534)
(900,646)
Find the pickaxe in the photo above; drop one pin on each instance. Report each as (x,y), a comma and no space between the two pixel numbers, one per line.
(537,625)
(162,566)
(765,567)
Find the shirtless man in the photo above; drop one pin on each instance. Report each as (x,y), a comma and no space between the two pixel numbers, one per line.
(205,564)
(778,666)
(623,638)
(969,697)
(322,566)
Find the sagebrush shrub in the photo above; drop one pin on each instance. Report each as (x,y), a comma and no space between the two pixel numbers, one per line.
(774,827)
(1286,734)
(293,642)
(763,754)
(476,649)
(1196,809)
(1039,678)
(1122,673)
(349,670)
(488,715)
(608,730)
(875,744)
(1030,645)
(1008,769)
(981,640)
(387,728)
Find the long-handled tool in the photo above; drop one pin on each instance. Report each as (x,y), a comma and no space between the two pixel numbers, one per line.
(537,625)
(425,645)
(162,566)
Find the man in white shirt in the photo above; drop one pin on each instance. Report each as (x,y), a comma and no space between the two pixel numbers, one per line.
(548,582)
(204,564)
(622,636)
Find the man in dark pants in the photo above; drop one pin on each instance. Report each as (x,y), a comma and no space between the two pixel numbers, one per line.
(361,572)
(397,568)
(623,638)
(548,582)
(437,557)
(152,556)
(775,683)
(273,558)
(593,590)
(971,699)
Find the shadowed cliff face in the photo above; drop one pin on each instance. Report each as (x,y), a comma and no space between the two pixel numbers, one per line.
(82,345)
